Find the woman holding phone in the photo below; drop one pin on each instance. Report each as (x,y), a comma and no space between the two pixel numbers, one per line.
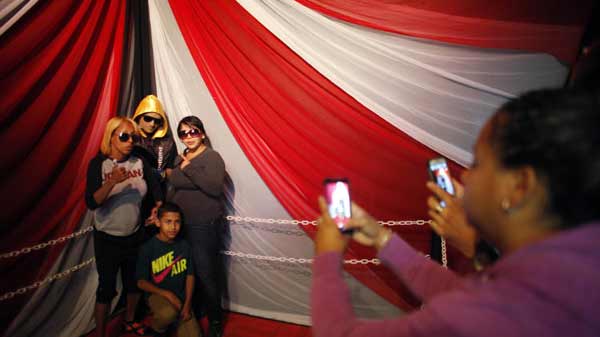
(533,192)
(198,181)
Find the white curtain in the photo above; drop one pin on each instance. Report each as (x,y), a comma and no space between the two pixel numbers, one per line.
(439,94)
(11,11)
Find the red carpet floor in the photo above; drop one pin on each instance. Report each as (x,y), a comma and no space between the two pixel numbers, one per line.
(237,325)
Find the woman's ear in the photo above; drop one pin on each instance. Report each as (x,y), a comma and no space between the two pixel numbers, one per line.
(525,186)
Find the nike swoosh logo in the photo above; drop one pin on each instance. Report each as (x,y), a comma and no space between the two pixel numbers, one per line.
(161,276)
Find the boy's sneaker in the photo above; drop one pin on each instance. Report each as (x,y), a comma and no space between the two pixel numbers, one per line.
(134,327)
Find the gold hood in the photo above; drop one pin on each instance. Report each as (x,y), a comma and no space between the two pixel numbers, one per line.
(151,103)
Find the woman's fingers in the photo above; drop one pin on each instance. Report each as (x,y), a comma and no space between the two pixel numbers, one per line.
(437,223)
(459,189)
(440,193)
(432,203)
(358,212)
(328,238)
(324,210)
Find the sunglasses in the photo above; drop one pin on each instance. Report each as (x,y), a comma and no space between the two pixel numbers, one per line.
(148,119)
(124,137)
(191,133)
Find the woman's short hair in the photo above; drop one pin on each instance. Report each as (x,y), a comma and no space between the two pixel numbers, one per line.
(557,132)
(111,126)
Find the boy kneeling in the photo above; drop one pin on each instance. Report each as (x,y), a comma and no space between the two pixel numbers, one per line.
(165,271)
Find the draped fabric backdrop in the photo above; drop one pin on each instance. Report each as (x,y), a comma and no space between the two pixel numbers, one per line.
(60,73)
(290,92)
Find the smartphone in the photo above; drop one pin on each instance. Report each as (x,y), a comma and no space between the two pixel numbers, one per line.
(337,195)
(439,173)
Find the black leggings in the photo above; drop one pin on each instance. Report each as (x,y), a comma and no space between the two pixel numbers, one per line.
(207,242)
(114,253)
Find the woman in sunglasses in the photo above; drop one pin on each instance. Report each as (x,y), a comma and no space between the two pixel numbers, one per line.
(198,182)
(117,182)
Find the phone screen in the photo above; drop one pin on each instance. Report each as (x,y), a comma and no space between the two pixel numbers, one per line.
(439,173)
(337,195)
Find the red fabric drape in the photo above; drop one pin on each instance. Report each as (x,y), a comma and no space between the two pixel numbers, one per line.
(297,128)
(60,71)
(539,26)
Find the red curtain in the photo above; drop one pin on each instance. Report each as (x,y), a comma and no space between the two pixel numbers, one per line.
(297,128)
(60,71)
(553,27)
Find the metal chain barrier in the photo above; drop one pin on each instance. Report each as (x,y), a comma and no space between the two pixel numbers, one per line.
(444,256)
(314,222)
(268,258)
(237,219)
(293,259)
(27,250)
(48,279)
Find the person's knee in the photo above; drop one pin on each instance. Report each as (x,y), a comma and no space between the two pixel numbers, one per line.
(163,316)
(189,328)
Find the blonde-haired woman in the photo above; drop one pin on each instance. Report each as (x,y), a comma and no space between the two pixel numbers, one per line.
(117,182)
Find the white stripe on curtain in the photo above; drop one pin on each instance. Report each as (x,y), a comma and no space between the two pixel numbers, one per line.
(13,10)
(439,94)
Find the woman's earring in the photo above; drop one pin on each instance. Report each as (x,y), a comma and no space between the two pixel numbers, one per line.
(505,205)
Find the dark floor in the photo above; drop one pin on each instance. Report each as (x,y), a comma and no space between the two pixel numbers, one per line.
(237,325)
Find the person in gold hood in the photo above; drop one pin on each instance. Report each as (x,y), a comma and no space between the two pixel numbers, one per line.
(157,147)
(156,144)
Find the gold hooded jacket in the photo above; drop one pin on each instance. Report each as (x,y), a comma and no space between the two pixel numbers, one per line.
(151,103)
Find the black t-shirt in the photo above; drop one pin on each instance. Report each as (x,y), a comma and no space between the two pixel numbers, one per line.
(166,265)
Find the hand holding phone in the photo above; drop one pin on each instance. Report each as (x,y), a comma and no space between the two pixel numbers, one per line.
(337,196)
(439,174)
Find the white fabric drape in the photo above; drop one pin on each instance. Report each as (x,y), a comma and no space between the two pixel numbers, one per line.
(13,10)
(267,289)
(437,93)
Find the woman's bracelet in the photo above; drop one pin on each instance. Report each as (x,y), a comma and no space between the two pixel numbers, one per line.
(383,239)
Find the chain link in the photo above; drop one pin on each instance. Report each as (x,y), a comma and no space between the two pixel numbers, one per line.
(270,221)
(362,261)
(293,259)
(444,255)
(268,258)
(48,279)
(43,245)
(314,222)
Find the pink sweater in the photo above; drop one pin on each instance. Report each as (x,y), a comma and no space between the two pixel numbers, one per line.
(551,288)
